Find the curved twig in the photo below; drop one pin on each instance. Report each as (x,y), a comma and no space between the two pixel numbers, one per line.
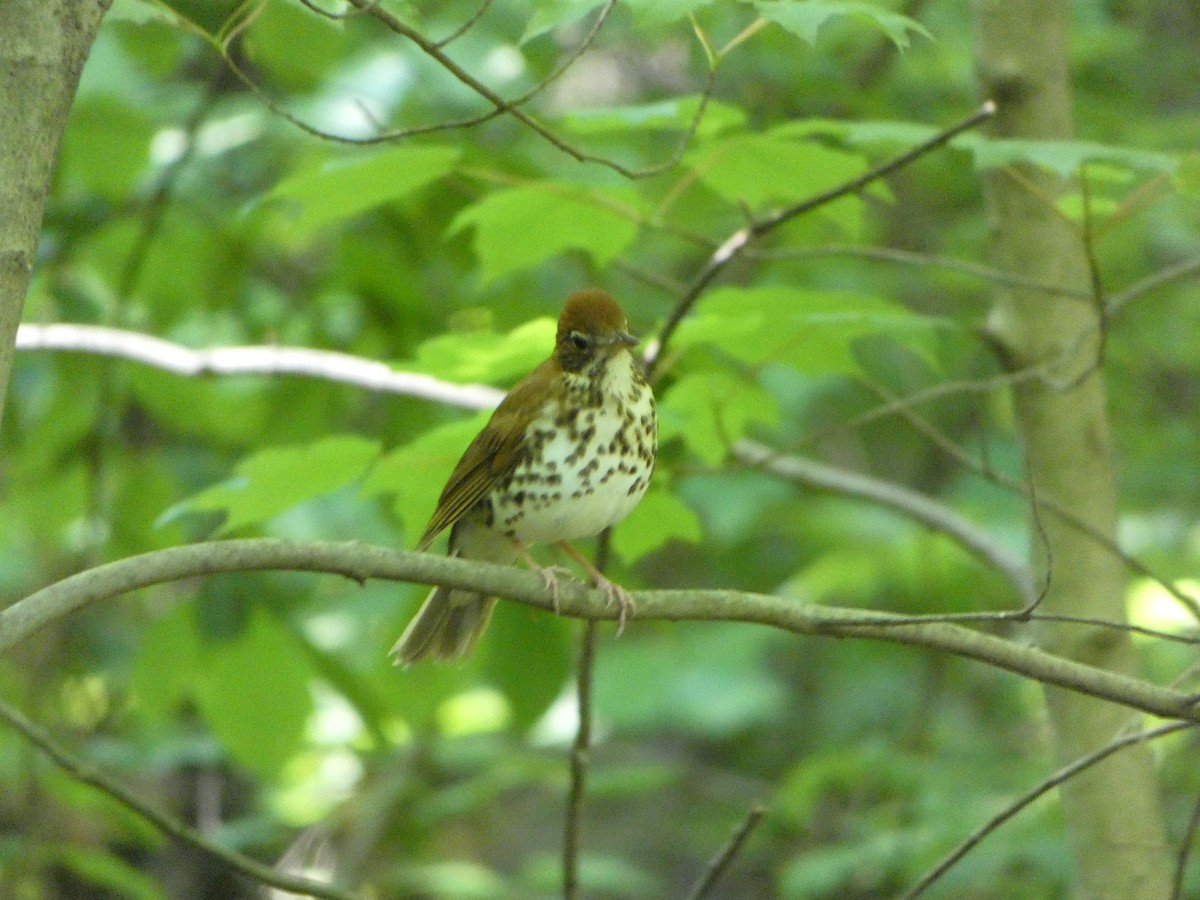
(1063,774)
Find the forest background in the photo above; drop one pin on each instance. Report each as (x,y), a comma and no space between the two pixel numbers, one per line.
(916,355)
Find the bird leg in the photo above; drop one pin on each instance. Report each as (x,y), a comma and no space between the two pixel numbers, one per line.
(550,574)
(613,591)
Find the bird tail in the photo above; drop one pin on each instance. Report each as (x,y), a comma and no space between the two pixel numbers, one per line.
(446,627)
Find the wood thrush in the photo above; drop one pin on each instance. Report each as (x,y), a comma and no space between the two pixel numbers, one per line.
(566,454)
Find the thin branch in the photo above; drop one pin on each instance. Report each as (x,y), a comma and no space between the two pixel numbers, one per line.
(360,561)
(1062,775)
(1183,269)
(925,261)
(1185,850)
(736,243)
(169,825)
(910,503)
(479,13)
(580,752)
(719,863)
(253,360)
(1049,504)
(581,749)
(500,106)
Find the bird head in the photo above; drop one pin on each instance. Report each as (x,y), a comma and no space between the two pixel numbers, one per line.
(591,325)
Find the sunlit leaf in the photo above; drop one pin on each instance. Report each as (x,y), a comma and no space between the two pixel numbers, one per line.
(1062,157)
(711,409)
(813,331)
(675,114)
(343,189)
(253,692)
(764,169)
(415,472)
(806,18)
(659,517)
(475,357)
(518,228)
(278,478)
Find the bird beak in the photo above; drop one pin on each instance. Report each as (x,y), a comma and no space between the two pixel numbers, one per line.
(622,339)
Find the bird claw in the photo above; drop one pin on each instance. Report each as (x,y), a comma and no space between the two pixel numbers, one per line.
(614,593)
(550,576)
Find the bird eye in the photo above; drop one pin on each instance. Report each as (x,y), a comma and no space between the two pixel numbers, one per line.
(579,341)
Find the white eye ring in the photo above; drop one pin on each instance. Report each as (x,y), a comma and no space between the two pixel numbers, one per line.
(579,341)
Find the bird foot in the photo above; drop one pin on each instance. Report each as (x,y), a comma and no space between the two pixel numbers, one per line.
(550,576)
(614,593)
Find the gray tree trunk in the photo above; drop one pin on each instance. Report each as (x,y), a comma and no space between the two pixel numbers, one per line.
(1113,813)
(43,45)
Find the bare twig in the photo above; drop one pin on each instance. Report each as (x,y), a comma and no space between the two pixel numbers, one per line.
(252,360)
(1049,504)
(580,751)
(469,23)
(169,825)
(719,863)
(1063,774)
(1183,269)
(1185,850)
(924,261)
(735,244)
(908,502)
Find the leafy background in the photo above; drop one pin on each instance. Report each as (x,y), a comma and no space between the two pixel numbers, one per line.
(262,706)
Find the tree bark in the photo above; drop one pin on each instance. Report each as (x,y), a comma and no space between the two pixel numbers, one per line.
(1113,812)
(43,45)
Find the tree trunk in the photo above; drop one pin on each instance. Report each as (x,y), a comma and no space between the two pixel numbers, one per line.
(1114,817)
(43,44)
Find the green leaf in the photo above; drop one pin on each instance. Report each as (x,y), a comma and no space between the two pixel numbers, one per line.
(863,133)
(141,12)
(167,663)
(550,14)
(762,169)
(102,869)
(712,409)
(254,693)
(807,17)
(675,114)
(486,357)
(654,13)
(341,190)
(518,228)
(416,471)
(813,331)
(705,679)
(272,480)
(1187,176)
(1062,157)
(527,654)
(657,519)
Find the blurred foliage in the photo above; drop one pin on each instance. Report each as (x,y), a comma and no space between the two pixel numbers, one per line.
(262,706)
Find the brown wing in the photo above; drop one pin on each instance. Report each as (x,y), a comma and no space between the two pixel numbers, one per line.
(494,453)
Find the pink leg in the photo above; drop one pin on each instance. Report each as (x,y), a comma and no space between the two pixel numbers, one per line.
(614,592)
(550,574)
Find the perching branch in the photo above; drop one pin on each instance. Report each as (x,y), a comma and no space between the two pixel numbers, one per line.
(88,774)
(359,562)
